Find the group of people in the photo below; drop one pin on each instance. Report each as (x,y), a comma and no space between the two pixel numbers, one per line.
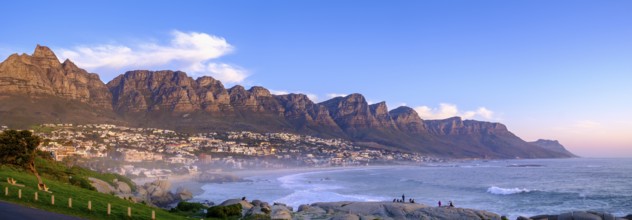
(410,200)
(403,200)
(449,205)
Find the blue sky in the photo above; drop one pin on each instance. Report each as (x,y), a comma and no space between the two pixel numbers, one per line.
(547,69)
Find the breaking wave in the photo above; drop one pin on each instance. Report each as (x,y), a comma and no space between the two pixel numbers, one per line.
(506,191)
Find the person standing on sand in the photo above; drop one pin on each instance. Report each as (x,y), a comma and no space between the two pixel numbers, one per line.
(439,203)
(451,205)
(403,198)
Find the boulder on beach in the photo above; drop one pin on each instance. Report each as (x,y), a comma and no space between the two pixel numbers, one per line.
(244,204)
(280,212)
(183,194)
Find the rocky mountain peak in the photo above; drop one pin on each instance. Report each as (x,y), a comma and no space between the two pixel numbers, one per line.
(407,120)
(237,89)
(42,74)
(44,52)
(259,91)
(205,81)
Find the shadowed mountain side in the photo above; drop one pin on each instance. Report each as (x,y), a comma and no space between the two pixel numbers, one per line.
(553,145)
(39,89)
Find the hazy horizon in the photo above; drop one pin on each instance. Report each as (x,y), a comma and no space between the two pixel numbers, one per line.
(548,70)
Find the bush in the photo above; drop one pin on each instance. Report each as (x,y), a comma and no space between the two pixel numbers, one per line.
(82,182)
(224,211)
(188,207)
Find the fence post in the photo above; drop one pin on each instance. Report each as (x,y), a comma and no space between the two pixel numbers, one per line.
(90,205)
(35,196)
(19,193)
(52,199)
(129,211)
(109,208)
(6,190)
(153,214)
(69,202)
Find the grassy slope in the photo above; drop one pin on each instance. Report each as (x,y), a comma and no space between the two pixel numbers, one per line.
(80,197)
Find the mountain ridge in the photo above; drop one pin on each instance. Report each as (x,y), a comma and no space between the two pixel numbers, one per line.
(172,99)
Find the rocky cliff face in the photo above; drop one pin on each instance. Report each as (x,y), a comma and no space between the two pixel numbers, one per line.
(171,99)
(353,114)
(408,120)
(456,126)
(42,74)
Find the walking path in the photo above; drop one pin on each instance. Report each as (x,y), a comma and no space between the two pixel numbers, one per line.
(13,211)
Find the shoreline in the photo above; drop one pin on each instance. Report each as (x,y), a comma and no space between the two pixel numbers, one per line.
(188,180)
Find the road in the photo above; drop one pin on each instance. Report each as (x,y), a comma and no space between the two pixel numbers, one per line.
(13,211)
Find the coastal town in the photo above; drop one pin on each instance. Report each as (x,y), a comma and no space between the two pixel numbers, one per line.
(152,152)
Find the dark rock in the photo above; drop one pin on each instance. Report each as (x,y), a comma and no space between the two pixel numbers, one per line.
(544,217)
(303,207)
(280,212)
(183,194)
(578,215)
(256,202)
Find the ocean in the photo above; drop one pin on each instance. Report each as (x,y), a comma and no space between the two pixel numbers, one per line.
(507,187)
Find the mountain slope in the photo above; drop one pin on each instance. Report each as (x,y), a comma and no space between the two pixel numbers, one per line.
(39,89)
(553,145)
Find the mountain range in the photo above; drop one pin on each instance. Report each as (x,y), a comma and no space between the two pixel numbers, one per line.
(38,88)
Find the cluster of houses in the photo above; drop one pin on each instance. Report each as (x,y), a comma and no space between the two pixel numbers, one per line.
(233,149)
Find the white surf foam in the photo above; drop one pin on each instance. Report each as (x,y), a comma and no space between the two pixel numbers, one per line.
(506,191)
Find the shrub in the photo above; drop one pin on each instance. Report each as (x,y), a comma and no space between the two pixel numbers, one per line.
(188,207)
(224,211)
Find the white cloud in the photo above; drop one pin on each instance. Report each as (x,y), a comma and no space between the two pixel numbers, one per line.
(446,110)
(191,52)
(279,92)
(334,95)
(226,73)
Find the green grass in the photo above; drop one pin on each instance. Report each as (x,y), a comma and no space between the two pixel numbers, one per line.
(80,197)
(58,171)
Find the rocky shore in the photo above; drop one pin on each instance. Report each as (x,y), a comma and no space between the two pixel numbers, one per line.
(388,211)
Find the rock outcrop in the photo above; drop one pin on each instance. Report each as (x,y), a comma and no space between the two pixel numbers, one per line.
(159,193)
(387,210)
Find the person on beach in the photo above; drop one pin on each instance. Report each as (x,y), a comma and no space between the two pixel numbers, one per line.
(403,198)
(412,201)
(439,203)
(394,200)
(451,205)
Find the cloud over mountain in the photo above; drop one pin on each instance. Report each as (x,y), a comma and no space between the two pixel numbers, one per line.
(192,52)
(446,110)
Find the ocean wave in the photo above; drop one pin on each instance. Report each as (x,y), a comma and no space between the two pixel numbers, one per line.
(506,191)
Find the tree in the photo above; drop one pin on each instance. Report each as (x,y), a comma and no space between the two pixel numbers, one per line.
(19,148)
